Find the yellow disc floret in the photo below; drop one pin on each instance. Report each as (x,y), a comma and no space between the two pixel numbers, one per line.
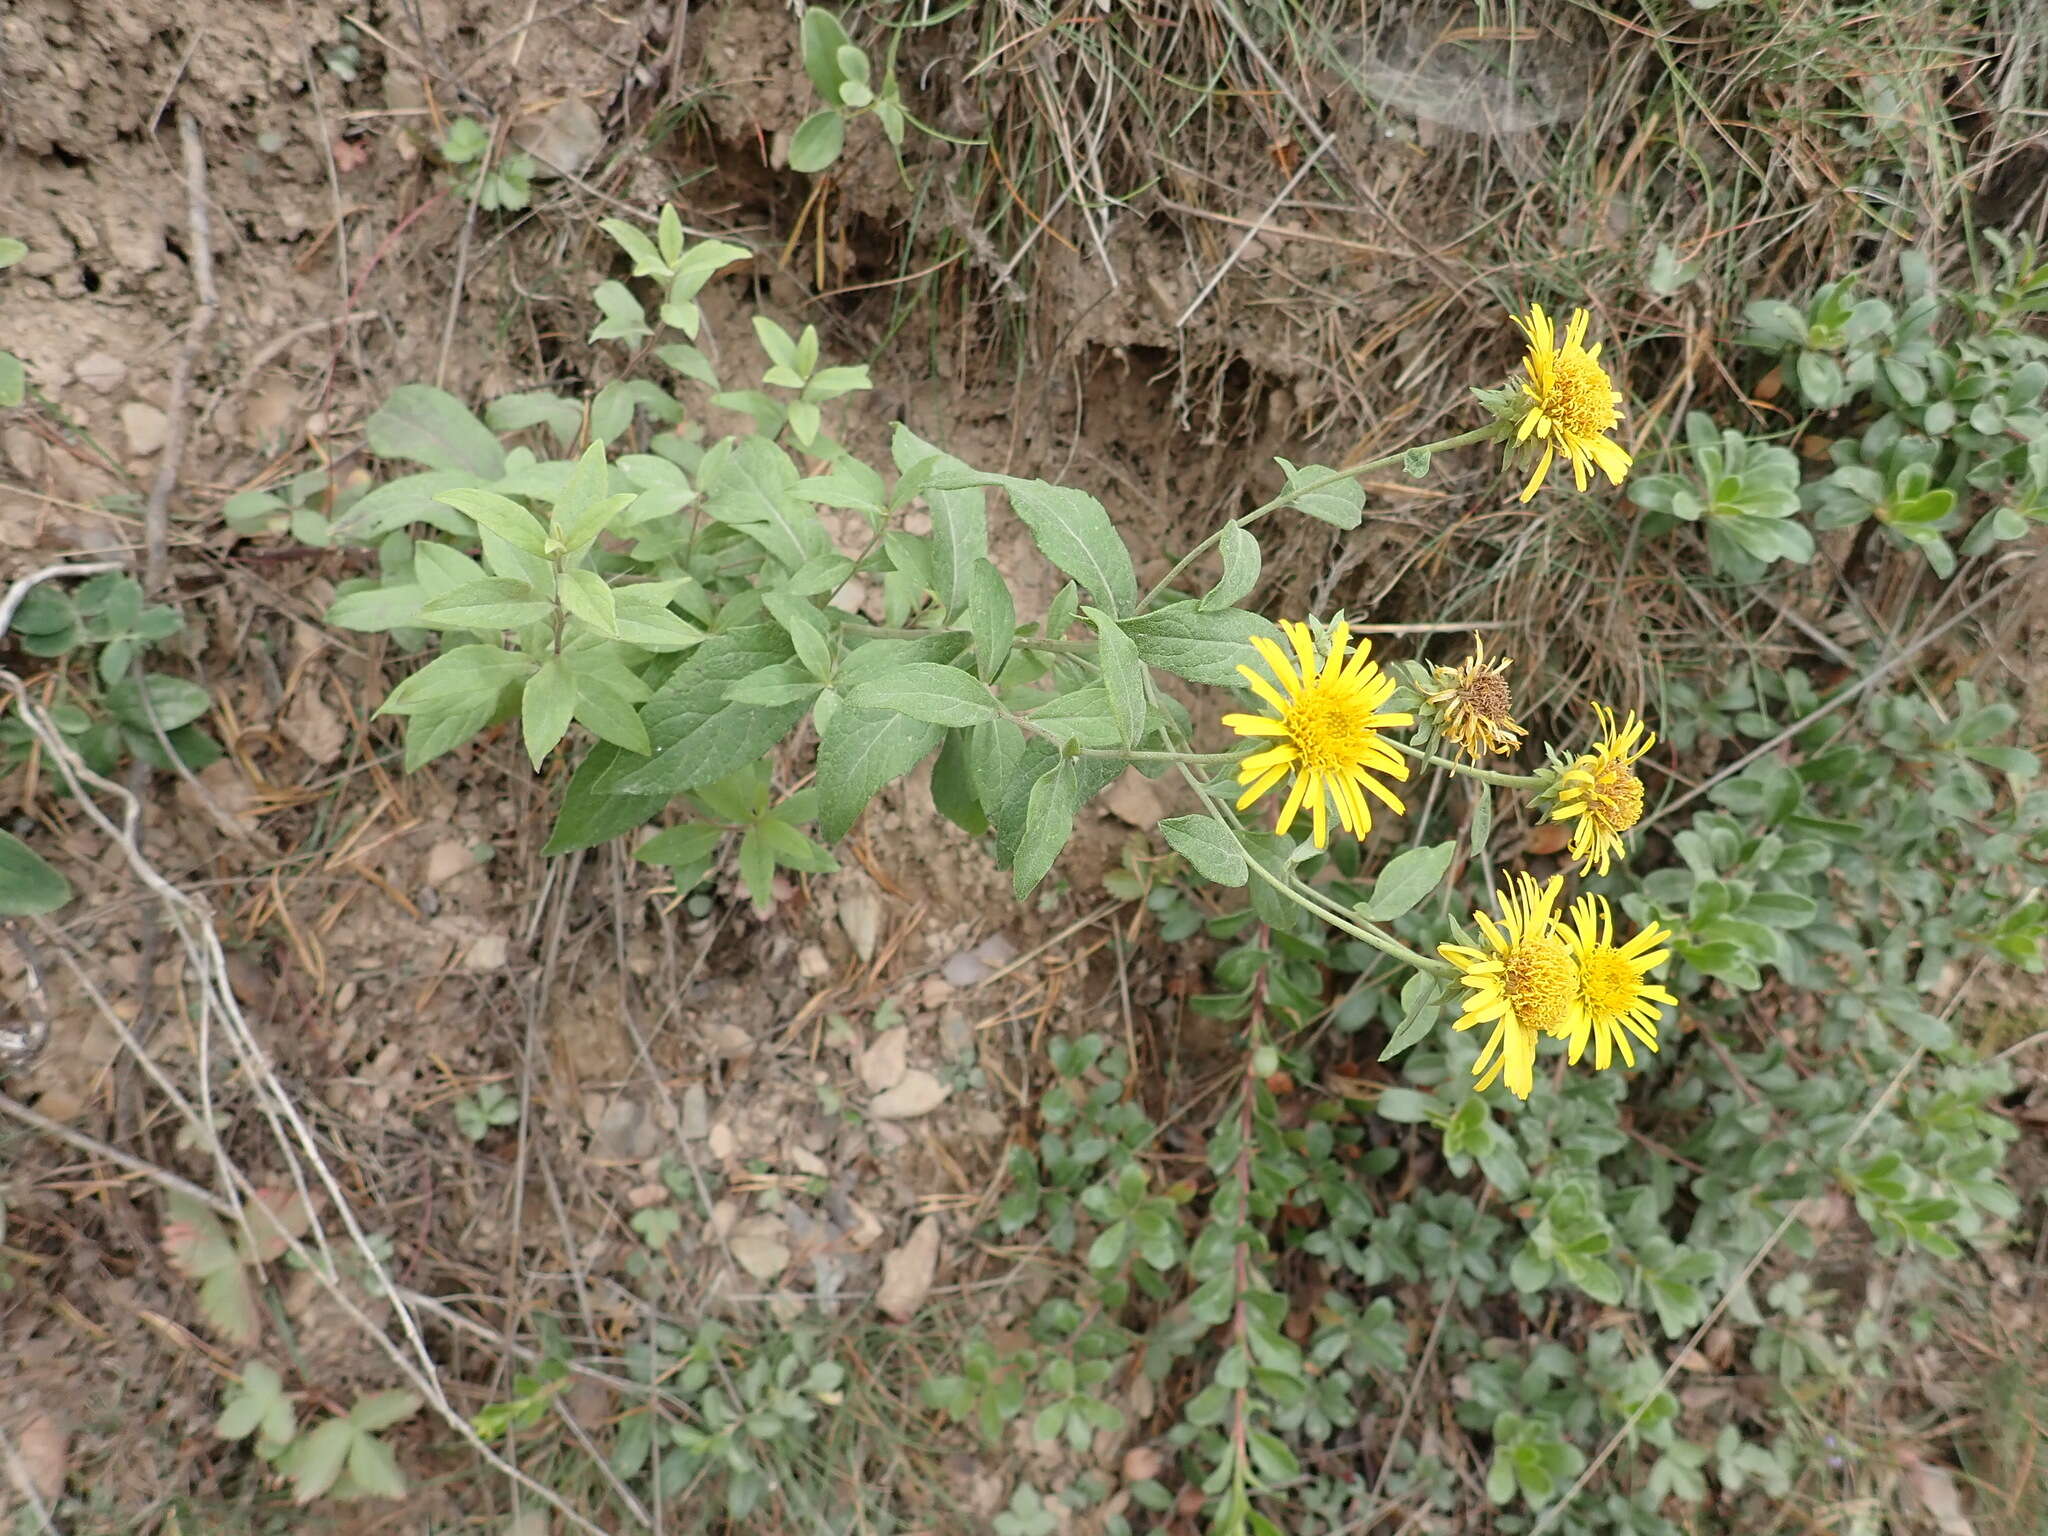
(1326,727)
(1521,979)
(1600,794)
(1568,404)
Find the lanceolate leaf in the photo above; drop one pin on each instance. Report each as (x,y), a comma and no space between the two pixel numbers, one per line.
(1407,878)
(923,691)
(28,886)
(502,515)
(752,490)
(953,785)
(379,607)
(1201,647)
(592,811)
(546,708)
(408,499)
(862,750)
(1241,563)
(1340,503)
(1074,532)
(959,518)
(1421,1003)
(465,674)
(700,736)
(1048,823)
(1123,677)
(495,602)
(1071,529)
(430,426)
(1209,846)
(991,617)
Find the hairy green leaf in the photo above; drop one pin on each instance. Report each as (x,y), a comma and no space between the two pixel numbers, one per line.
(1406,879)
(28,886)
(858,753)
(1209,846)
(430,426)
(936,694)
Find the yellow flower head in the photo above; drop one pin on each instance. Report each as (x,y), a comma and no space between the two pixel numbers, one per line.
(1326,722)
(1473,707)
(1521,980)
(1600,792)
(1616,999)
(1567,402)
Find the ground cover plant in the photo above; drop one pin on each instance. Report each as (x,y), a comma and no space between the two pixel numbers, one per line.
(1561,1057)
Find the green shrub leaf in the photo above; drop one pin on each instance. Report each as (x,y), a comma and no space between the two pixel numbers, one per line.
(1209,847)
(430,426)
(1407,878)
(935,694)
(860,752)
(28,886)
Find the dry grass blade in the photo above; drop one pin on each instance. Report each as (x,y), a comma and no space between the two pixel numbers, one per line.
(156,514)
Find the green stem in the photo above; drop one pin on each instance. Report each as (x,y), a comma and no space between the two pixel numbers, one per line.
(1060,647)
(1121,754)
(1315,907)
(1313,904)
(1484,775)
(1294,493)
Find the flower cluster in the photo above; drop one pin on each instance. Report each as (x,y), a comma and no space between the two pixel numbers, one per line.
(1536,969)
(1534,974)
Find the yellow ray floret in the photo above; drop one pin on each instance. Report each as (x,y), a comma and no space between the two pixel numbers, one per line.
(1473,707)
(1568,403)
(1325,732)
(1600,793)
(1616,997)
(1520,979)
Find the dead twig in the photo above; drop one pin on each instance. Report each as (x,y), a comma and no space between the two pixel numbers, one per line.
(218,1019)
(156,513)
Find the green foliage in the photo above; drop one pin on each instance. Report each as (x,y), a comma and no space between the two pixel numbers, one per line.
(533,1393)
(845,79)
(736,1411)
(340,1458)
(682,605)
(1784,888)
(1744,494)
(28,885)
(1941,437)
(480,1113)
(117,709)
(13,380)
(259,1405)
(1831,350)
(343,1458)
(702,610)
(505,182)
(228,1268)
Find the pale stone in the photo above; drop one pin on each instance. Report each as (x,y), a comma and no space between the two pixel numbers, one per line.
(148,428)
